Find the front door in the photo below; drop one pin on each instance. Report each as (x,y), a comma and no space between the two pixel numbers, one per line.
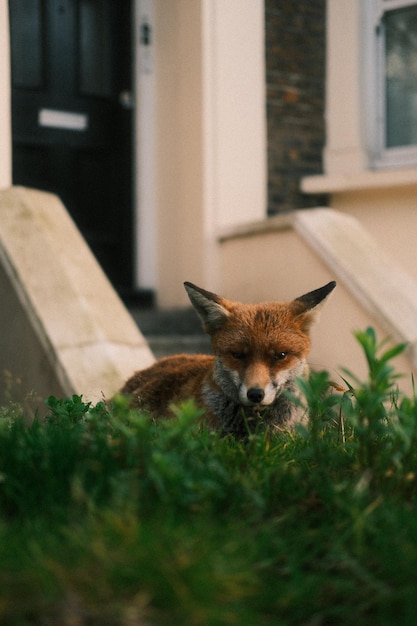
(72,116)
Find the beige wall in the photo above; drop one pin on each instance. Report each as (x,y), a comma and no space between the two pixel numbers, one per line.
(210,168)
(391,215)
(234,110)
(344,151)
(5,117)
(179,171)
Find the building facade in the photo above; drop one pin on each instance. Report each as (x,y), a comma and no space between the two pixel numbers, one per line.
(226,115)
(211,115)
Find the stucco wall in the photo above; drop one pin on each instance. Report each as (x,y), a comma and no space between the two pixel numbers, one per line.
(5,115)
(391,215)
(210,168)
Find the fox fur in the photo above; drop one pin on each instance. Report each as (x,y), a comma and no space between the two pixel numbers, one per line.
(258,352)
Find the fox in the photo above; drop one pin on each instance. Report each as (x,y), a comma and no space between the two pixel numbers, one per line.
(259,351)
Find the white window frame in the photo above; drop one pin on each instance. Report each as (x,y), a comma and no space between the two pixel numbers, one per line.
(374,88)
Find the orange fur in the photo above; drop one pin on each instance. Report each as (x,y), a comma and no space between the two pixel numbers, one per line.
(169,381)
(259,351)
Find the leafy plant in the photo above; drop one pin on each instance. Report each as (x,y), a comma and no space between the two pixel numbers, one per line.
(374,409)
(107,517)
(64,410)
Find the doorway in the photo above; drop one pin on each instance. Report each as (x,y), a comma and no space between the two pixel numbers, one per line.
(72,117)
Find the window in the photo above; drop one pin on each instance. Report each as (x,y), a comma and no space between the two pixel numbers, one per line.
(393,104)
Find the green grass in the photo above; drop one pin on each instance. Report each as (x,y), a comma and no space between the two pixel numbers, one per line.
(107,518)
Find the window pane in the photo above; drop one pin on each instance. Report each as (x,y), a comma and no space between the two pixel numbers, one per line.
(95,47)
(26,42)
(401,77)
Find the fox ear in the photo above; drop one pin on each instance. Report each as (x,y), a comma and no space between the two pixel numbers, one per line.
(210,307)
(310,304)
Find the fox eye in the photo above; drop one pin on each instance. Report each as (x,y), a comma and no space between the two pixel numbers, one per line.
(239,356)
(280,356)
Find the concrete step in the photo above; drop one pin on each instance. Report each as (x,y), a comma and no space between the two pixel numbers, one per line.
(172,331)
(164,345)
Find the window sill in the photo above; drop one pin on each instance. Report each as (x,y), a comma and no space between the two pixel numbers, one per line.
(357,181)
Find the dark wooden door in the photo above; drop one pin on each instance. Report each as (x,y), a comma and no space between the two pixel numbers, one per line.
(72,116)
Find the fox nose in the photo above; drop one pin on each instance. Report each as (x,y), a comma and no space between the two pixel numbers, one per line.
(255,395)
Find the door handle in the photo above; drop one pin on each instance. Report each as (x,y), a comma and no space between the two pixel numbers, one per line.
(126,99)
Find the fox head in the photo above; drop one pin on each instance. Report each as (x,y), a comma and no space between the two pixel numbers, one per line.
(259,348)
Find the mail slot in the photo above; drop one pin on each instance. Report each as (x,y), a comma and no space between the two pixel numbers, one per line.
(67,120)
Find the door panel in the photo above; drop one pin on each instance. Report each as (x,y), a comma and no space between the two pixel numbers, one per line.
(71,59)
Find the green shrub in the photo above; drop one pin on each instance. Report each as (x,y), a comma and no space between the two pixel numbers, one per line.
(109,518)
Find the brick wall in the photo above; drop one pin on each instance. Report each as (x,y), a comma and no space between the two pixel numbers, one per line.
(295,77)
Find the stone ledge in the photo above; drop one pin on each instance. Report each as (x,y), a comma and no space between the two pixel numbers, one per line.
(356,181)
(381,286)
(268,225)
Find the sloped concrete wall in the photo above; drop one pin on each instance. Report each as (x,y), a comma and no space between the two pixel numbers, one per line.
(25,367)
(64,330)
